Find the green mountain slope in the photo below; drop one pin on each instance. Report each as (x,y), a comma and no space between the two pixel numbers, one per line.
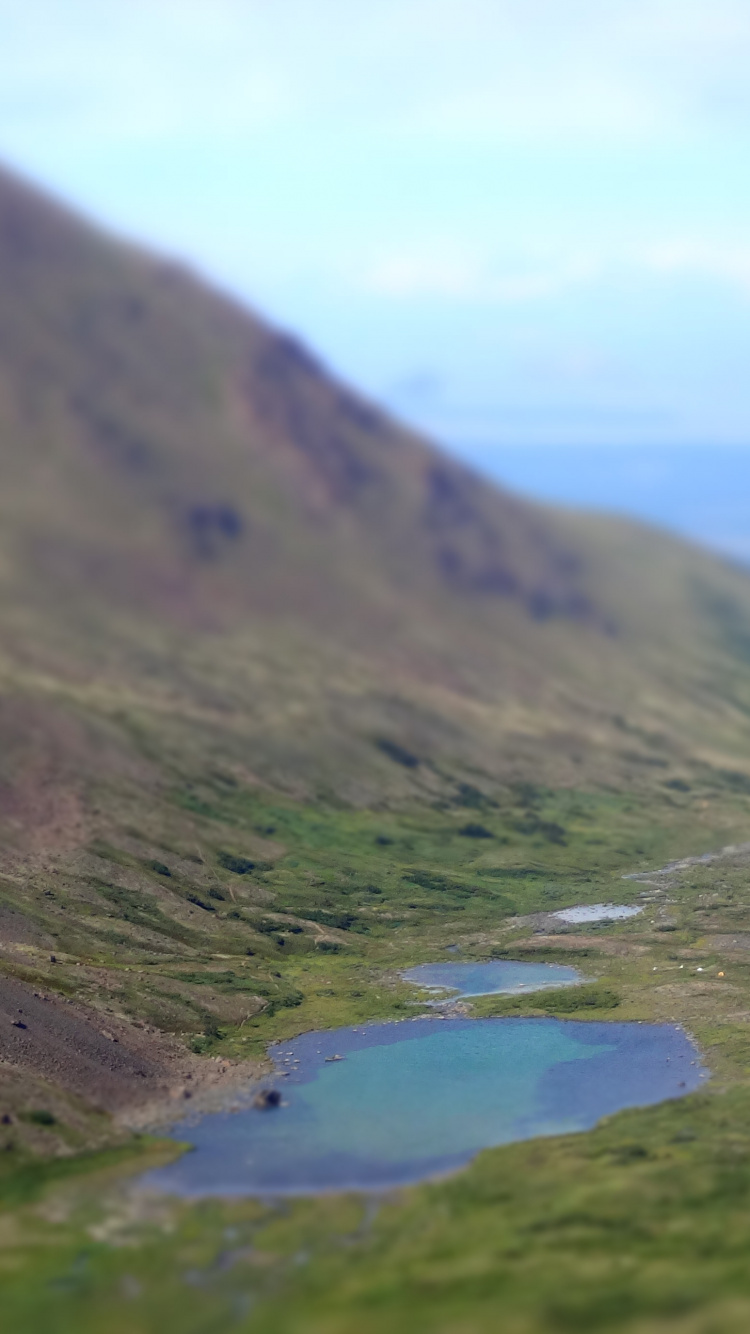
(198,522)
(289,701)
(280,681)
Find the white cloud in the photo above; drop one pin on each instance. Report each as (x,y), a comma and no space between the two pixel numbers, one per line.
(435,271)
(440,270)
(727,263)
(102,71)
(426,272)
(508,69)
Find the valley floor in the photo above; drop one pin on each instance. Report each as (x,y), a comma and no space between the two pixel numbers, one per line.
(640,1226)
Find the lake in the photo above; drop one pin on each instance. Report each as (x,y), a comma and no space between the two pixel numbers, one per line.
(384,1105)
(497,977)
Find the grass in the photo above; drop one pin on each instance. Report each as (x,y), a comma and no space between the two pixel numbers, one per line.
(260,756)
(641,1225)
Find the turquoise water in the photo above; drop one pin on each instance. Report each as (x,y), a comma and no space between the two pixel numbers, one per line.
(418,1098)
(499,976)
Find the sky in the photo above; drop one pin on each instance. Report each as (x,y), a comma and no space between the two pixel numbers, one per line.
(523,224)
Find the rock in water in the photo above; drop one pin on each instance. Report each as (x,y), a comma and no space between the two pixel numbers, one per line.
(267,1098)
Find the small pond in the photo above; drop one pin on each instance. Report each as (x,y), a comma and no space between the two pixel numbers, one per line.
(598,912)
(498,977)
(386,1104)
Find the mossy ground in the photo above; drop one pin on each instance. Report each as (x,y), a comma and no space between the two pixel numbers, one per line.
(641,1225)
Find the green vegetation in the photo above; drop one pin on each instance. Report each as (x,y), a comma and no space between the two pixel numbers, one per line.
(39,1116)
(289,702)
(642,1224)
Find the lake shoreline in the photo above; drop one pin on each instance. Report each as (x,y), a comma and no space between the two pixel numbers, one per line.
(365,1110)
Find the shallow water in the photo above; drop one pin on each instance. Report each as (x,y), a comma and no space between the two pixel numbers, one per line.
(598,912)
(419,1098)
(498,977)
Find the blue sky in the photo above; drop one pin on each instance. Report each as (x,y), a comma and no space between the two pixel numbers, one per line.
(520,222)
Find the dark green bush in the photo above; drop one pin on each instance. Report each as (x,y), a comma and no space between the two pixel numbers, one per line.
(470,796)
(41,1117)
(342,921)
(266,927)
(396,752)
(207,907)
(238,865)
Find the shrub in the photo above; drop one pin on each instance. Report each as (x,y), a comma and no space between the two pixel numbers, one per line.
(207,907)
(470,796)
(554,833)
(238,865)
(396,752)
(41,1117)
(342,921)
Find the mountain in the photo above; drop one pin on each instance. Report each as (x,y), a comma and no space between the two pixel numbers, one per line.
(196,516)
(245,615)
(289,702)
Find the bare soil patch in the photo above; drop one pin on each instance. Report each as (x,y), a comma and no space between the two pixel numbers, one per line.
(135,1074)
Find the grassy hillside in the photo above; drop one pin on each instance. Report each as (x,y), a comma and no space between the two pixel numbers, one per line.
(290,700)
(197,522)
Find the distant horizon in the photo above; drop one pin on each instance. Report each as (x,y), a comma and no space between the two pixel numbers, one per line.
(698,492)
